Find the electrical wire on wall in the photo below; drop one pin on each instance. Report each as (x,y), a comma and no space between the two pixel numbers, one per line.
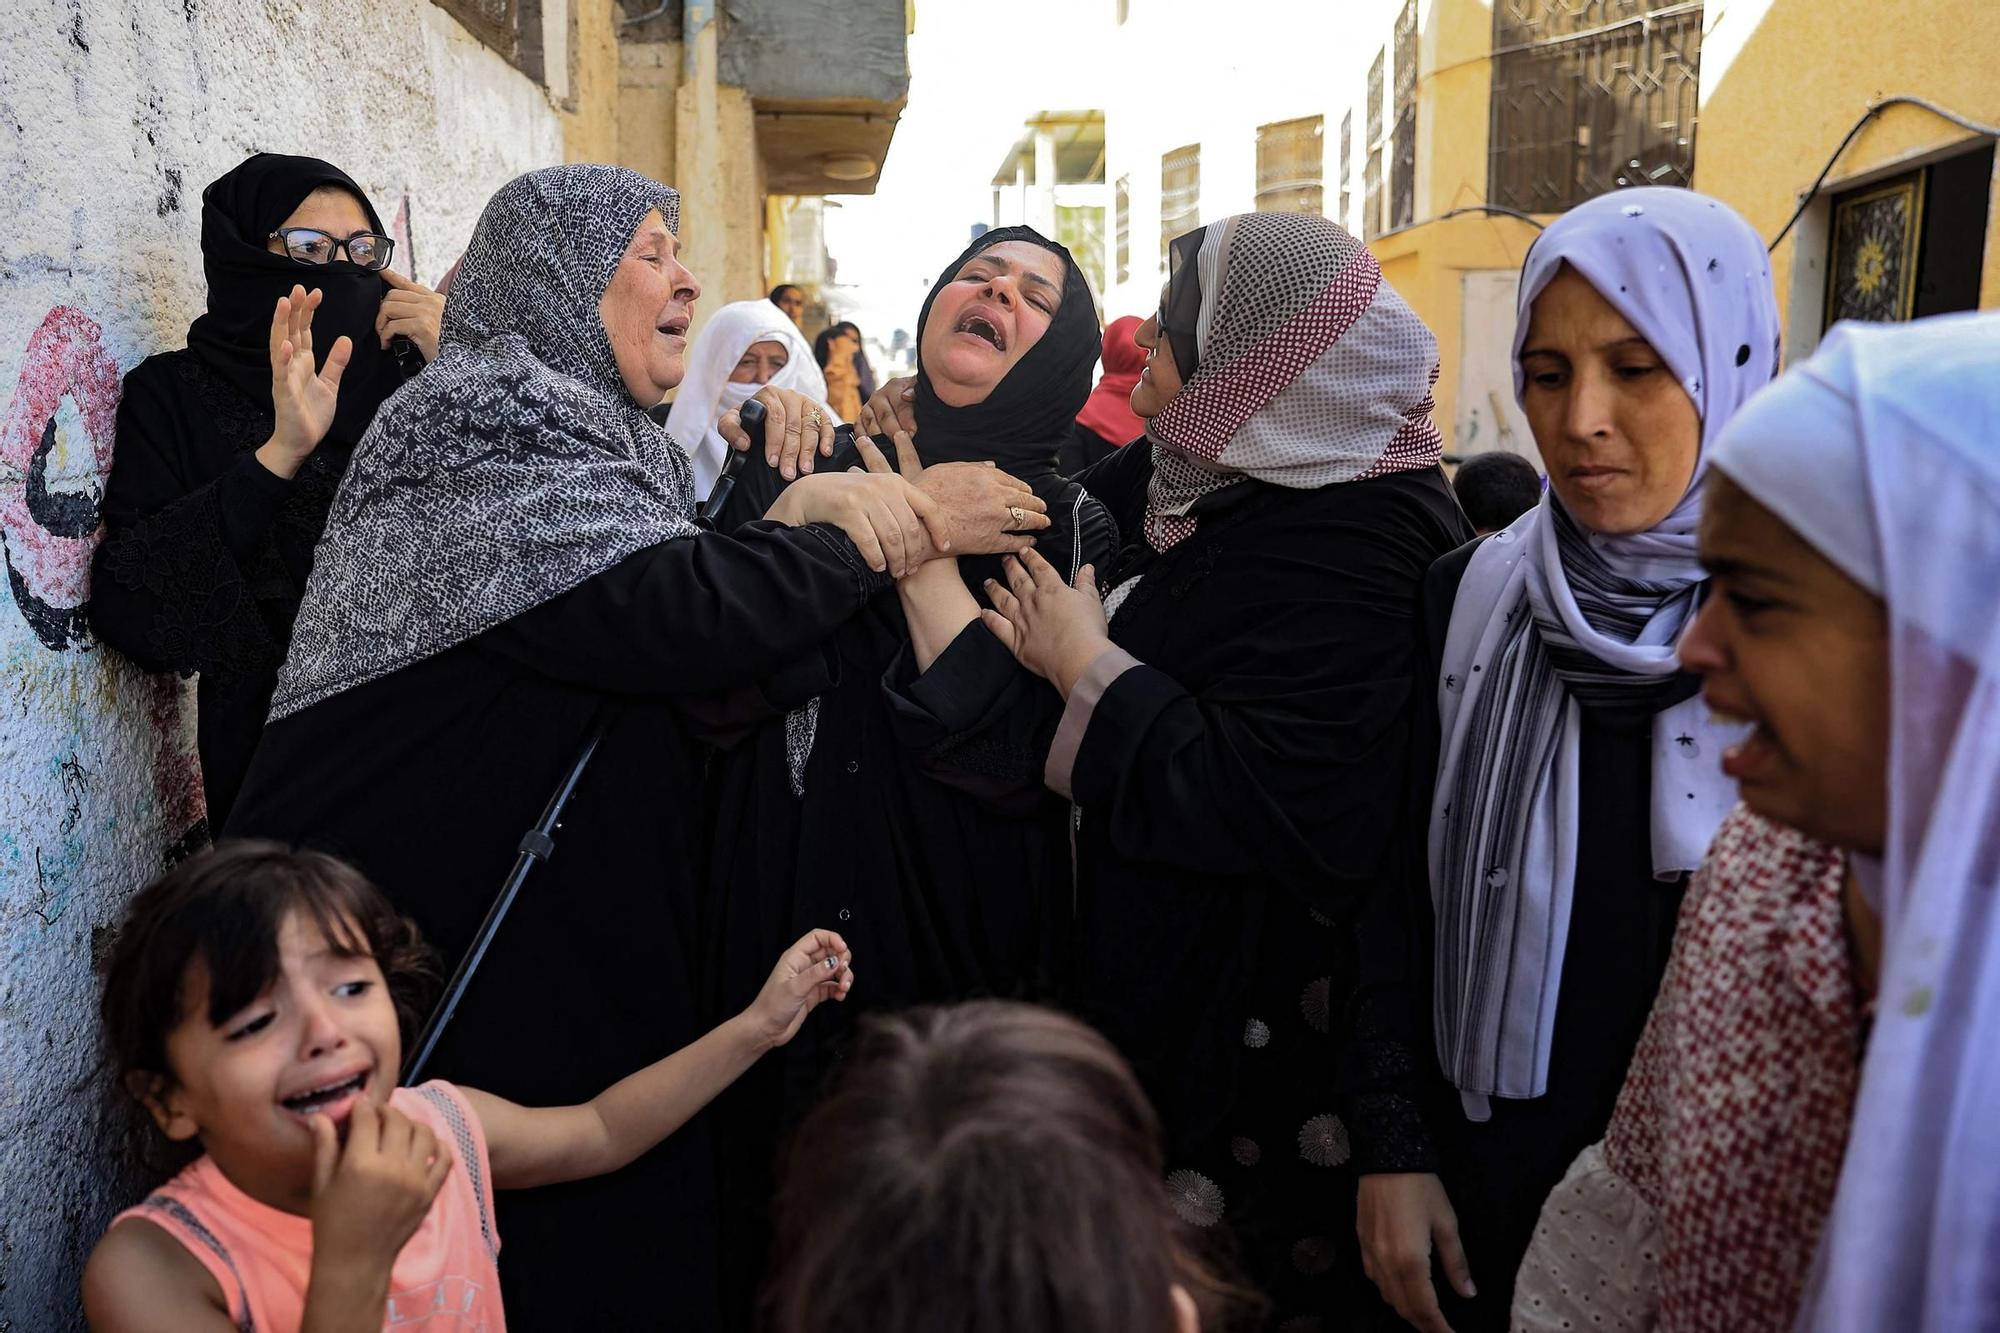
(1875,109)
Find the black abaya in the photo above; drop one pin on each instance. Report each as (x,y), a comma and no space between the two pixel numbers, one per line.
(426,778)
(1405,1117)
(1237,796)
(206,551)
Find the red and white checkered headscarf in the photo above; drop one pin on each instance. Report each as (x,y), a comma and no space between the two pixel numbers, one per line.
(1310,371)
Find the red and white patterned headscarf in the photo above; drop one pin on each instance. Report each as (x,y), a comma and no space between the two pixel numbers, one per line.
(1310,370)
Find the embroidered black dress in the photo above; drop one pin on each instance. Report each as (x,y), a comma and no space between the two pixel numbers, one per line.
(1404,1116)
(1237,796)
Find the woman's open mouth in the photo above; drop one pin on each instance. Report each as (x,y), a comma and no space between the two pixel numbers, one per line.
(677,327)
(983,328)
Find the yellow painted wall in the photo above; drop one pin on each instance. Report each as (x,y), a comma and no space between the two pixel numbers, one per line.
(1454,96)
(648,75)
(1426,264)
(590,118)
(1807,72)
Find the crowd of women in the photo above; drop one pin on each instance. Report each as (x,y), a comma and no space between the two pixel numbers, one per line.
(1252,901)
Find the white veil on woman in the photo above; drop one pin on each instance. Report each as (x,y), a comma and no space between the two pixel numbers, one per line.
(706,393)
(1897,481)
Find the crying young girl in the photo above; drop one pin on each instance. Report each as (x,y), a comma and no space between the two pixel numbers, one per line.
(255,1008)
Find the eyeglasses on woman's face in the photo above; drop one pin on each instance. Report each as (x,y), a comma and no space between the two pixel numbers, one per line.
(364,249)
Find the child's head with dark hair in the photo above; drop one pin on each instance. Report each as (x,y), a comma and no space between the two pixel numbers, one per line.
(251,988)
(986,1167)
(1495,488)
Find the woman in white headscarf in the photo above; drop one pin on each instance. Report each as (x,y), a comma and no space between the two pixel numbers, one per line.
(1503,993)
(744,347)
(1854,536)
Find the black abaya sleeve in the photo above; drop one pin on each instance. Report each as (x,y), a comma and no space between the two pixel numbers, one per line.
(700,615)
(1394,1093)
(976,719)
(1278,747)
(169,583)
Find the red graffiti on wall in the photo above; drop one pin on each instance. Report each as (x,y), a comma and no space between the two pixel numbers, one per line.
(49,534)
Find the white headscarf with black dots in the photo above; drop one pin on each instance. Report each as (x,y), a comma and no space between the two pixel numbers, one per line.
(1550,617)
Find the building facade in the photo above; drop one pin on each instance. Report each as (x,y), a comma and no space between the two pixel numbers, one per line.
(1446,132)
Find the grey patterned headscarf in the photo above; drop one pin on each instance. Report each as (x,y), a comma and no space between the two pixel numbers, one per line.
(515,467)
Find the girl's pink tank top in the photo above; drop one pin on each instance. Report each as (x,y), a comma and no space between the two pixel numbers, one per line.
(446,1278)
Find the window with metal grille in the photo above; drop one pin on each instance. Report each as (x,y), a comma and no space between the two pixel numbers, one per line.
(1591,95)
(1180,194)
(1346,217)
(1122,199)
(1371,181)
(1291,166)
(1403,139)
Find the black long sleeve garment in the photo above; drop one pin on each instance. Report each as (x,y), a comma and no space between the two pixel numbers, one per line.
(427,778)
(206,552)
(941,897)
(1404,1115)
(1237,795)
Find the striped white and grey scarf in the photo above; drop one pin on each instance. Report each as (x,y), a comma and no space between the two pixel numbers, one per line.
(1503,836)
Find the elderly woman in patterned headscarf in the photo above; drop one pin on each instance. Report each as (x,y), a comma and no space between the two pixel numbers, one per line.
(513,560)
(1231,721)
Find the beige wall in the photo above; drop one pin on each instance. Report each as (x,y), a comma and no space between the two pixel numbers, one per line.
(590,113)
(1783,80)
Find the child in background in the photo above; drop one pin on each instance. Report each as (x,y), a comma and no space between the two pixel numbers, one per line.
(254,1007)
(988,1167)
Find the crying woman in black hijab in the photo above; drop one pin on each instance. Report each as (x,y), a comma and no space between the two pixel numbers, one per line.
(229,450)
(821,811)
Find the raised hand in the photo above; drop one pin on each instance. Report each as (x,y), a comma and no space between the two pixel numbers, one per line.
(819,967)
(302,398)
(410,310)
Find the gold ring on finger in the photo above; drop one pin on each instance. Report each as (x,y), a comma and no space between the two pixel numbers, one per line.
(813,419)
(1018,514)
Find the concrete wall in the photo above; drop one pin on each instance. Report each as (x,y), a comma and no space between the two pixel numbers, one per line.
(116,113)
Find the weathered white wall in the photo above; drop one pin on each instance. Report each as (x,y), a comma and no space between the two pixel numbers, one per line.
(113,116)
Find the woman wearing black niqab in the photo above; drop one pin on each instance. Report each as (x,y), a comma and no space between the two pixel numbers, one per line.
(825,814)
(207,548)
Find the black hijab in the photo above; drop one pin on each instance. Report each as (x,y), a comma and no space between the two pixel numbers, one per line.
(1027,417)
(239,211)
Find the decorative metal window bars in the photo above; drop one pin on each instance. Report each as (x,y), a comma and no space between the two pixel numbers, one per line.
(1291,166)
(1403,142)
(1591,95)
